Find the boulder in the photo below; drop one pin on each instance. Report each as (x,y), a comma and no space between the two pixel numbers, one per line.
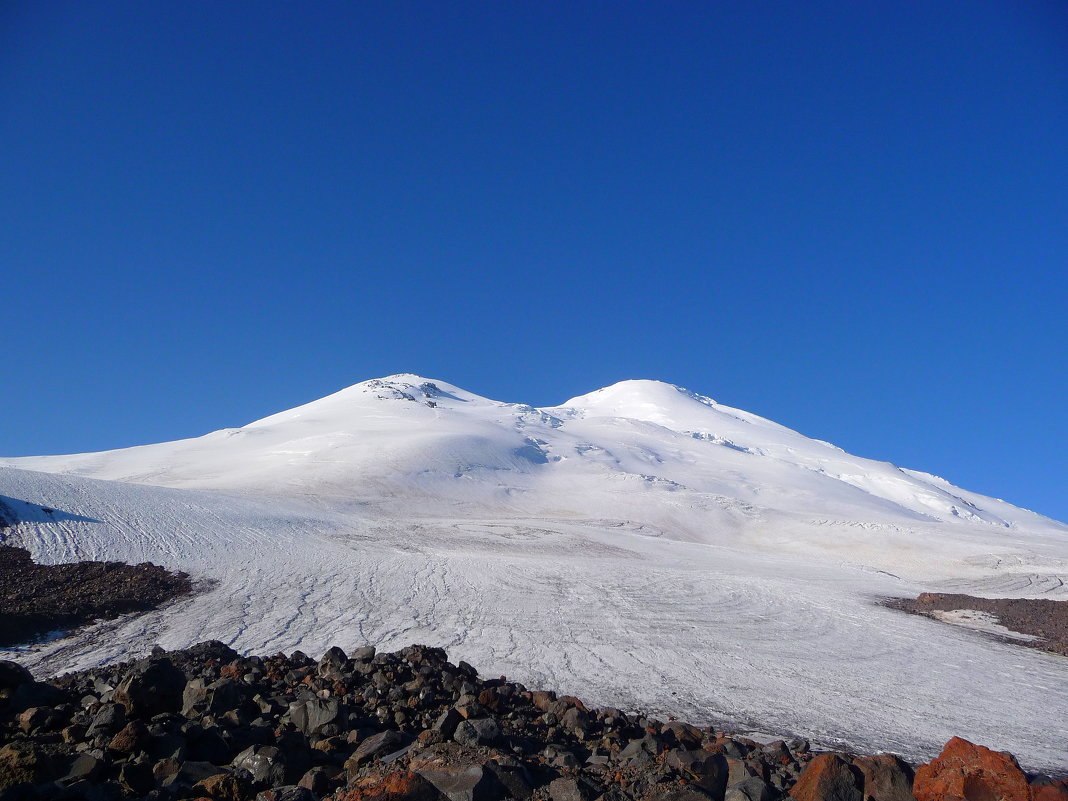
(1050,790)
(447,722)
(151,687)
(464,782)
(973,772)
(708,771)
(131,739)
(828,777)
(310,716)
(188,775)
(377,745)
(37,717)
(886,778)
(223,787)
(321,780)
(391,786)
(34,693)
(22,761)
(194,697)
(675,792)
(738,770)
(332,663)
(479,731)
(85,767)
(13,675)
(266,764)
(752,789)
(136,778)
(107,721)
(364,654)
(685,735)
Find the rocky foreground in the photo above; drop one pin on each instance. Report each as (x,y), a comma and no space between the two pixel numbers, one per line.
(409,726)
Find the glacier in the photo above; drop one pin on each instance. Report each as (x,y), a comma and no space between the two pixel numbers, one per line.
(641,546)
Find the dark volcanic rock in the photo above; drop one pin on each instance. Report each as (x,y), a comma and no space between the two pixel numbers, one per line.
(1043,618)
(39,599)
(886,778)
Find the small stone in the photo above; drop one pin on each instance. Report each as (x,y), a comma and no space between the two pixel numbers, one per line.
(480,731)
(287,793)
(567,788)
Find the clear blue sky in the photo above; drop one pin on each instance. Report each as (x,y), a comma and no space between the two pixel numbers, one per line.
(851,218)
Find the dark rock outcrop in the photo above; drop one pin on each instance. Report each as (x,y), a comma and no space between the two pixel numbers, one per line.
(39,599)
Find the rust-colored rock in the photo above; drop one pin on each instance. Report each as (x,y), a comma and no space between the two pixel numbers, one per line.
(490,699)
(1053,791)
(886,778)
(222,787)
(393,786)
(133,737)
(828,777)
(971,772)
(542,699)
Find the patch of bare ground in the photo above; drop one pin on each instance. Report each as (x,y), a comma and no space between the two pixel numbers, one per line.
(36,600)
(1044,619)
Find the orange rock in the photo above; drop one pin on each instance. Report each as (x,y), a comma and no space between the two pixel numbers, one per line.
(222,787)
(827,777)
(396,785)
(971,772)
(234,670)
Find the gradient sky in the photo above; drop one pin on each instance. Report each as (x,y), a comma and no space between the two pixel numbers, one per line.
(851,218)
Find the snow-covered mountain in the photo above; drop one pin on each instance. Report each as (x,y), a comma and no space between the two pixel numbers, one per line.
(641,545)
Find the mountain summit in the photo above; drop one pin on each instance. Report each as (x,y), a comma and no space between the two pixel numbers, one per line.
(635,442)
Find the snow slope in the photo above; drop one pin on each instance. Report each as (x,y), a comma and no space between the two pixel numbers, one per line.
(640,545)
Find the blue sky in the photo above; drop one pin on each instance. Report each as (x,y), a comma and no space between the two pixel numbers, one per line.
(851,218)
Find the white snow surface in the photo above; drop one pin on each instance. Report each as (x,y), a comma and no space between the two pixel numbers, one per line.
(641,546)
